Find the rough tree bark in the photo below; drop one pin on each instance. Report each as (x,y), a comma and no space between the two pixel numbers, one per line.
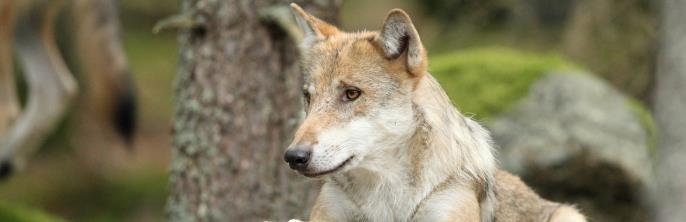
(237,94)
(670,106)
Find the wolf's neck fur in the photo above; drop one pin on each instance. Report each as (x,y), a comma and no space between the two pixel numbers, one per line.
(446,147)
(458,145)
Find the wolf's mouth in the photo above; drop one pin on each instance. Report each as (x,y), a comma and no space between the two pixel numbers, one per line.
(340,166)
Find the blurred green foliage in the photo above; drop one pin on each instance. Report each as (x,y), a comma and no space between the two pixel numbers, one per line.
(153,61)
(487,81)
(485,12)
(81,194)
(16,213)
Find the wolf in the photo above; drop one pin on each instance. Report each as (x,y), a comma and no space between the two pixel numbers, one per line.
(388,142)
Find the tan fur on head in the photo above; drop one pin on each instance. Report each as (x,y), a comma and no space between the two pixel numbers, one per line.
(398,39)
(315,29)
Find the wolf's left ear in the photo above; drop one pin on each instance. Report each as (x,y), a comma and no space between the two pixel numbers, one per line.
(314,28)
(398,37)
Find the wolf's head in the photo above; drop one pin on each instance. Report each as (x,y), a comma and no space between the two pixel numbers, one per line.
(358,93)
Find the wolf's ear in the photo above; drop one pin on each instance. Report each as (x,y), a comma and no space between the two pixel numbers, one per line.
(314,28)
(398,37)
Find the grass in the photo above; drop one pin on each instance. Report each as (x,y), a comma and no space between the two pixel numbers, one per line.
(17,213)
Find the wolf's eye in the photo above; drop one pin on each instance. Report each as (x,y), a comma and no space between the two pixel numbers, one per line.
(351,94)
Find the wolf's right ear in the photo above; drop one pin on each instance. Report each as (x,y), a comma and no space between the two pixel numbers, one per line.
(398,37)
(314,28)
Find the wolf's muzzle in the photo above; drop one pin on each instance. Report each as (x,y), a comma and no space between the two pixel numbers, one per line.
(298,158)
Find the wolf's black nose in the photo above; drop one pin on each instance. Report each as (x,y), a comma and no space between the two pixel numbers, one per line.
(297,158)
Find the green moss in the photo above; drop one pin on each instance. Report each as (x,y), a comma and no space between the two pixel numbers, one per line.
(647,122)
(487,81)
(16,213)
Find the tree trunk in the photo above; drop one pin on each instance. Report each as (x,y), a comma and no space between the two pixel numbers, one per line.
(670,106)
(237,103)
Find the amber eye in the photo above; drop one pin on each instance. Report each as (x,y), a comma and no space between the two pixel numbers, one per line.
(351,94)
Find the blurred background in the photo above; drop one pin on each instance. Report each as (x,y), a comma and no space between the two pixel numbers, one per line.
(589,65)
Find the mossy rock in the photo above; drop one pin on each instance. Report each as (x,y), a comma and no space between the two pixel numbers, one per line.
(16,213)
(647,121)
(487,81)
(572,137)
